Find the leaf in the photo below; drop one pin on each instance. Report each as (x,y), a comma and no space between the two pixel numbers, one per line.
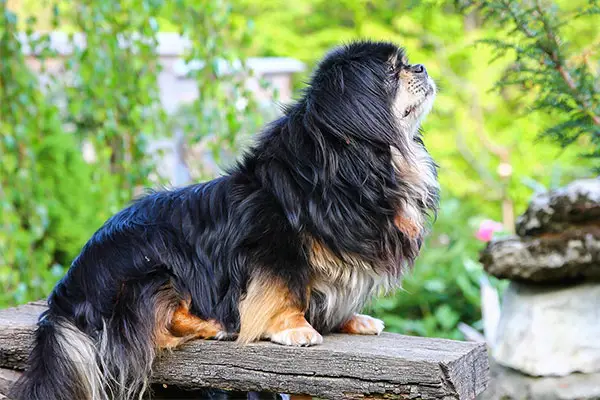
(447,317)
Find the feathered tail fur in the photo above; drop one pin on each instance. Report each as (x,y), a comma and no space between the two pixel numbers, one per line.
(68,364)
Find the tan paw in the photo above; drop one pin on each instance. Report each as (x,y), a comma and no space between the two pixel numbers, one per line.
(303,336)
(361,324)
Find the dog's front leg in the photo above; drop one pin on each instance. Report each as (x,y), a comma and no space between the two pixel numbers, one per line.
(271,310)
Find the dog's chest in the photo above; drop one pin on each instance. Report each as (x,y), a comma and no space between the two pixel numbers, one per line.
(417,172)
(340,289)
(416,168)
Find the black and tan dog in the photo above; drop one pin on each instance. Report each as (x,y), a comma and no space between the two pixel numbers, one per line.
(327,209)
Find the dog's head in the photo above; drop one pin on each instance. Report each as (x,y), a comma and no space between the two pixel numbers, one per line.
(414,91)
(369,90)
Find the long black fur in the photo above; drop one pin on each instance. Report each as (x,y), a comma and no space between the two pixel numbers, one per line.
(322,171)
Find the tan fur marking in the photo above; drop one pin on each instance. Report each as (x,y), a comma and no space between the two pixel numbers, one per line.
(168,342)
(288,319)
(268,309)
(407,226)
(328,264)
(411,168)
(323,260)
(186,324)
(344,286)
(175,324)
(166,304)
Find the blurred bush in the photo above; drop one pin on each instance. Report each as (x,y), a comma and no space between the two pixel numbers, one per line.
(555,63)
(103,104)
(51,200)
(443,288)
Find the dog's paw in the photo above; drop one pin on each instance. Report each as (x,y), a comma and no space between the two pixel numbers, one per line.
(361,324)
(302,336)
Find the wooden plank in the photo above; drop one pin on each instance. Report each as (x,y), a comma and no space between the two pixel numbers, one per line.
(344,366)
(159,392)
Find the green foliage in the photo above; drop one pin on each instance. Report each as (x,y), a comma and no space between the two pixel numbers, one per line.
(105,99)
(443,288)
(551,62)
(112,101)
(224,111)
(41,220)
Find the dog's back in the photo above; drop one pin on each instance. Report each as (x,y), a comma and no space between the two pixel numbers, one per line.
(106,316)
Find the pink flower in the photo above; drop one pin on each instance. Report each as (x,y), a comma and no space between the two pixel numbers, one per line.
(487,228)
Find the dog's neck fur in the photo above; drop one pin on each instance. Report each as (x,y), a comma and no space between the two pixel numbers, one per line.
(346,195)
(417,171)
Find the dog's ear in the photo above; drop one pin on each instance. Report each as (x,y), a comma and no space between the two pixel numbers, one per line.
(352,100)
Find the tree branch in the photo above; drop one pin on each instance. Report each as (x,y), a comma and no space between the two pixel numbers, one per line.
(562,69)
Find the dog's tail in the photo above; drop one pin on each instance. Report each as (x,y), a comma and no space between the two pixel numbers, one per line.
(67,364)
(62,365)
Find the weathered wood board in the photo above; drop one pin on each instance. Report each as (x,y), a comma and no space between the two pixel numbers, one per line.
(344,366)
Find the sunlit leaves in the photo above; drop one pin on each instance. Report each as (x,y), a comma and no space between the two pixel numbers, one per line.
(106,98)
(547,62)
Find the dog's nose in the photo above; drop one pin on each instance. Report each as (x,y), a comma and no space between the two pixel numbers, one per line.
(418,69)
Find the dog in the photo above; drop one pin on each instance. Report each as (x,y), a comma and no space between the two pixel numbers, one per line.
(325,210)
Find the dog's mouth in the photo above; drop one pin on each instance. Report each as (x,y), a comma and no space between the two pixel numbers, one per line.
(410,110)
(415,108)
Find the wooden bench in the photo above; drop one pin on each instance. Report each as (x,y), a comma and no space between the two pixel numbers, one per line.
(389,366)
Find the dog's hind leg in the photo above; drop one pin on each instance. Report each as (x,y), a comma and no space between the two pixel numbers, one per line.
(186,324)
(182,326)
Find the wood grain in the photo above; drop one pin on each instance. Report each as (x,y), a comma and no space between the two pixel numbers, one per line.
(344,366)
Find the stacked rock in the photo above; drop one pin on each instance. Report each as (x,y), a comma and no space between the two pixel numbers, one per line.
(550,318)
